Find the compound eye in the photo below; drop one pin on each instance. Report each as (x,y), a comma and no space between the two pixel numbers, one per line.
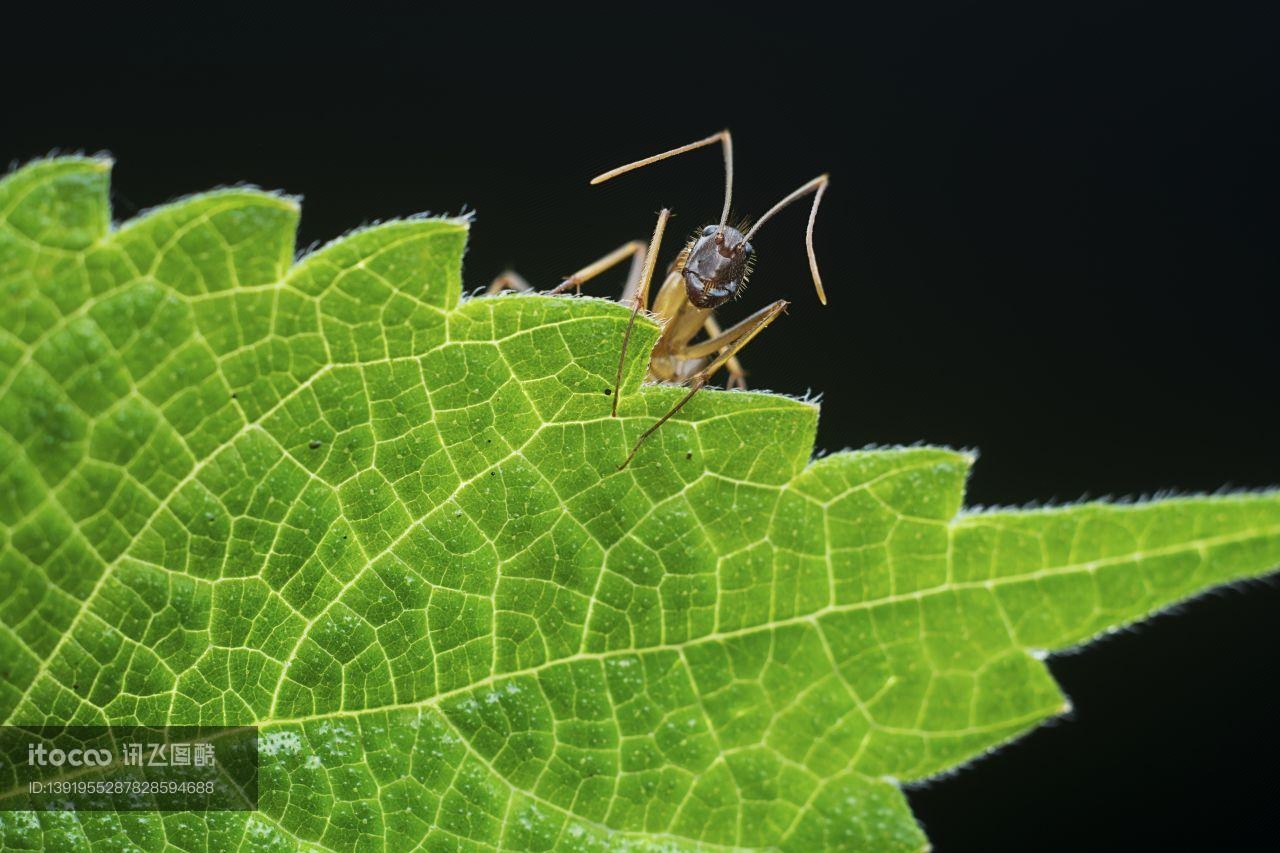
(709,230)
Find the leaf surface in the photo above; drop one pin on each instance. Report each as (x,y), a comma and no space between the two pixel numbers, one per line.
(336,500)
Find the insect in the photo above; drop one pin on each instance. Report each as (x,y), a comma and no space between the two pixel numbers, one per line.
(710,270)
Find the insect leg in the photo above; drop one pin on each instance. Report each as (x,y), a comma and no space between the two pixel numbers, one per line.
(737,375)
(634,250)
(640,299)
(738,337)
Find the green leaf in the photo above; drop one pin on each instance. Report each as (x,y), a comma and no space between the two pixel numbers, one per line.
(336,500)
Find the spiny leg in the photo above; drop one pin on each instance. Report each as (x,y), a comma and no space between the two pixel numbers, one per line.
(633,277)
(737,375)
(715,344)
(512,280)
(634,250)
(640,299)
(739,336)
(509,280)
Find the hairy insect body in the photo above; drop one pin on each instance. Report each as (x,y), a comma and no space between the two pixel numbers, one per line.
(670,360)
(711,270)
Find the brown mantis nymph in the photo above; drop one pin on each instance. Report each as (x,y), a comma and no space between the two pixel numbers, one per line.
(711,270)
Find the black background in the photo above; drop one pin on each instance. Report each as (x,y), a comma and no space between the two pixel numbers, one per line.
(1051,235)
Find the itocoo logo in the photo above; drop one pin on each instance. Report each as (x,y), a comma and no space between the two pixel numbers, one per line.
(40,755)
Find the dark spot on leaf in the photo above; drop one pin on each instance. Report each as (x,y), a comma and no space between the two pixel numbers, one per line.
(689,455)
(493,473)
(608,392)
(315,442)
(208,516)
(233,395)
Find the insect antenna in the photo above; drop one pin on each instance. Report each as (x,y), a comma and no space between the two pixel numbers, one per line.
(726,142)
(817,186)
